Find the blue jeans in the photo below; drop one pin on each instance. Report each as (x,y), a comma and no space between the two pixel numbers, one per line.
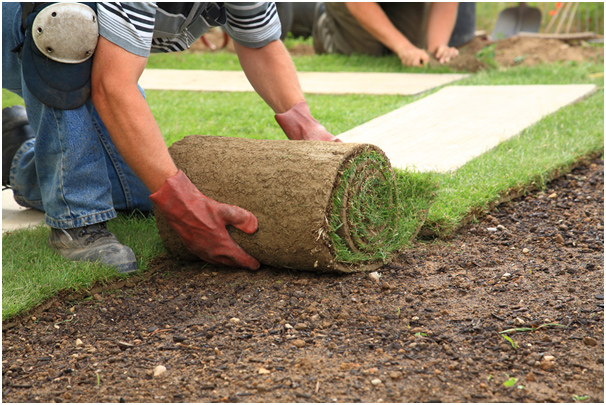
(71,170)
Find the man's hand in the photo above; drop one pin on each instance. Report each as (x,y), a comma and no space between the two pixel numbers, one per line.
(201,222)
(413,56)
(298,125)
(445,54)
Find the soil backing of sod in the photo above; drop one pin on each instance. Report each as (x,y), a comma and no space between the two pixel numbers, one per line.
(320,206)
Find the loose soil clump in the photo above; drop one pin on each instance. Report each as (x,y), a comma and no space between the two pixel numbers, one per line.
(426,328)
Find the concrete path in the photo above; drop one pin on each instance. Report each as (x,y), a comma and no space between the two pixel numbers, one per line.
(311,82)
(15,216)
(443,131)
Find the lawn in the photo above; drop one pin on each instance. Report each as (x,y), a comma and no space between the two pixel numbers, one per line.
(32,272)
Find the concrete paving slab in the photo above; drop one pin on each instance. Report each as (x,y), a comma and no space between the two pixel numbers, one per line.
(15,216)
(311,82)
(444,130)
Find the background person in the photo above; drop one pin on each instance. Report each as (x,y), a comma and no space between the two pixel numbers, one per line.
(412,31)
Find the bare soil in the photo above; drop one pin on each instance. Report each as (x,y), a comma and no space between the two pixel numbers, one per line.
(427,330)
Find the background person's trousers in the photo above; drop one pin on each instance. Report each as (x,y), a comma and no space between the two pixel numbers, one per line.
(338,31)
(71,170)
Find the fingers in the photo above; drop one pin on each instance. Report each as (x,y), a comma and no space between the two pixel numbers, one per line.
(233,254)
(238,258)
(424,57)
(445,54)
(414,57)
(239,218)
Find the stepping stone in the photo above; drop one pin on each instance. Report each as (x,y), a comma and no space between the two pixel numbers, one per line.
(311,82)
(15,216)
(444,130)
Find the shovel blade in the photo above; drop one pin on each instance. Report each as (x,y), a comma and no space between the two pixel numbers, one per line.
(513,20)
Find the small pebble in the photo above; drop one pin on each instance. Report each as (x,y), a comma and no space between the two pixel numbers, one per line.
(301,326)
(525,250)
(376,381)
(589,341)
(547,365)
(235,320)
(519,322)
(374,276)
(300,343)
(491,229)
(263,370)
(500,227)
(559,239)
(79,342)
(159,370)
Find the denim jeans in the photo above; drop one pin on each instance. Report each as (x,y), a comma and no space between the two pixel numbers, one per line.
(71,170)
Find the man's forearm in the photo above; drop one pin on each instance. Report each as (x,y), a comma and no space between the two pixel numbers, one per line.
(441,22)
(272,74)
(128,118)
(374,20)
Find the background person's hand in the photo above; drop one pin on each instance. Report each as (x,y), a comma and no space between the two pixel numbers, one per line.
(413,56)
(445,53)
(201,222)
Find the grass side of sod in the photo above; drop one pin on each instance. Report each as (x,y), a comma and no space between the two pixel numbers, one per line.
(32,272)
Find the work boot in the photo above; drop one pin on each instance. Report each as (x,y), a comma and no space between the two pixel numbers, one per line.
(93,243)
(15,131)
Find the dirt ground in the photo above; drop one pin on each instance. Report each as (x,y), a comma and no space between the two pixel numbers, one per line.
(514,51)
(427,330)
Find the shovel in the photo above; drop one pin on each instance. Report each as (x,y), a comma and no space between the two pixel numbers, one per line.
(516,19)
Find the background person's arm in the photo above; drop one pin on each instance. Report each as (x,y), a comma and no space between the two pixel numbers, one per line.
(440,23)
(374,20)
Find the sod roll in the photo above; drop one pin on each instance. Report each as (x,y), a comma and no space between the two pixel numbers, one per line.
(321,206)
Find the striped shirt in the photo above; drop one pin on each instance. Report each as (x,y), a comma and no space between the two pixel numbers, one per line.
(143,28)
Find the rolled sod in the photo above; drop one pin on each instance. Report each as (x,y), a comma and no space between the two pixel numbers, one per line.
(321,206)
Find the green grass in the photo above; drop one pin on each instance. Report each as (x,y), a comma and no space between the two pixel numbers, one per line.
(32,273)
(374,212)
(589,16)
(325,63)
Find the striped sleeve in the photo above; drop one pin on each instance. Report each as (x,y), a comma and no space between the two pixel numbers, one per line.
(252,24)
(128,25)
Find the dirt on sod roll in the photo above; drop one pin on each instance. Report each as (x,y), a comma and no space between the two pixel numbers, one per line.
(321,206)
